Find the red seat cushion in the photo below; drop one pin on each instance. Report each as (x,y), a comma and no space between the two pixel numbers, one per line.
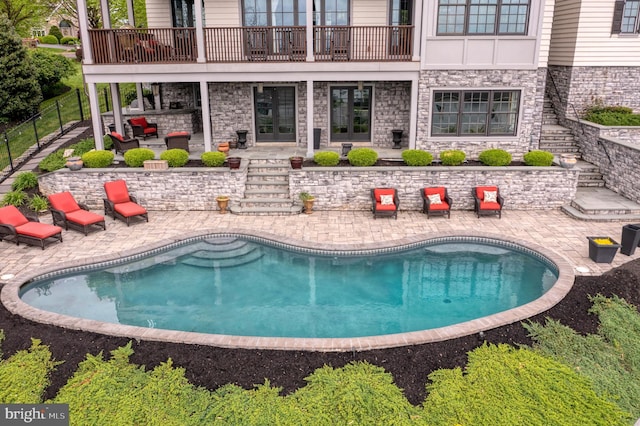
(178,134)
(63,201)
(117,136)
(442,206)
(378,192)
(117,191)
(489,206)
(130,209)
(84,217)
(139,121)
(480,190)
(149,130)
(38,230)
(388,207)
(10,215)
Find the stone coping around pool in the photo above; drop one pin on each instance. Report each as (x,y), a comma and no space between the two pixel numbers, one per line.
(11,300)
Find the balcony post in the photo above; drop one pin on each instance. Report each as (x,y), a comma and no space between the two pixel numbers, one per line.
(96,118)
(413,114)
(309,32)
(202,56)
(419,22)
(83,23)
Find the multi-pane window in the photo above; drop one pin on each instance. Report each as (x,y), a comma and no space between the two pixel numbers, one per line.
(630,16)
(278,13)
(477,112)
(482,17)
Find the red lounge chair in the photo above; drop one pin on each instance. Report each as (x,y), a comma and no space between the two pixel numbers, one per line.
(142,128)
(487,201)
(179,140)
(436,201)
(119,204)
(385,202)
(122,145)
(66,212)
(14,226)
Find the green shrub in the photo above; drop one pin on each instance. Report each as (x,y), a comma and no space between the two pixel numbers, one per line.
(326,158)
(137,156)
(97,159)
(452,157)
(14,198)
(213,158)
(48,39)
(607,118)
(69,40)
(38,203)
(417,157)
(55,160)
(24,180)
(107,142)
(362,157)
(175,157)
(25,375)
(538,158)
(495,157)
(55,31)
(83,146)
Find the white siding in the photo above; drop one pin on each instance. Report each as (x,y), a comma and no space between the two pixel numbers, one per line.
(545,33)
(223,13)
(370,12)
(159,14)
(582,36)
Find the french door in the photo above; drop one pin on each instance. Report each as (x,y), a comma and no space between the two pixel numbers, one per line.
(275,112)
(350,114)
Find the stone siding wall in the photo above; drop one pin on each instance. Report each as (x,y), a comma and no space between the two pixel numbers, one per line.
(178,92)
(582,87)
(391,110)
(530,83)
(524,188)
(173,189)
(173,120)
(617,160)
(231,109)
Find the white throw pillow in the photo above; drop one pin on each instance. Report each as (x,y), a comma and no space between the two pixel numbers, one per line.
(435,199)
(490,196)
(386,200)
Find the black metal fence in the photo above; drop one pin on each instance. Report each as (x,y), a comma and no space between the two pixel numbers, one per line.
(50,122)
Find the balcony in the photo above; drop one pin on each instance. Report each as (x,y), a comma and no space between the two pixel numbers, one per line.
(252,44)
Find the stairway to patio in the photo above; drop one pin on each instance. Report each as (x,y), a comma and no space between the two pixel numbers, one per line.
(267,190)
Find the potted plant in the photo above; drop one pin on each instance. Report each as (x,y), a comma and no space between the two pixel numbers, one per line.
(234,162)
(307,201)
(223,203)
(296,161)
(602,249)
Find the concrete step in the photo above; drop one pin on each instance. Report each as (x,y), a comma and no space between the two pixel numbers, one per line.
(239,260)
(602,205)
(268,168)
(265,192)
(267,211)
(267,177)
(265,202)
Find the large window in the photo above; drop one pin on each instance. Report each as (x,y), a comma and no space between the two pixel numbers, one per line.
(482,17)
(274,13)
(475,113)
(625,17)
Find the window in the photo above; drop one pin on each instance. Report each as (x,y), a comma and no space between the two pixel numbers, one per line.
(274,13)
(482,17)
(625,17)
(477,113)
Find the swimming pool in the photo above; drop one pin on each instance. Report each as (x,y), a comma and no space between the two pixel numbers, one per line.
(403,292)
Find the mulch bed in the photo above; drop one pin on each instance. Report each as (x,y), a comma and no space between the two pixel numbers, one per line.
(213,367)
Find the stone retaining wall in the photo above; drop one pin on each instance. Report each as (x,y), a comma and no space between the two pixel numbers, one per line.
(335,188)
(524,188)
(617,159)
(173,189)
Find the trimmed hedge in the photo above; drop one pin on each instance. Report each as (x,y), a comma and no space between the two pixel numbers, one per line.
(97,159)
(213,158)
(137,156)
(326,158)
(452,157)
(176,157)
(538,158)
(495,157)
(417,157)
(362,157)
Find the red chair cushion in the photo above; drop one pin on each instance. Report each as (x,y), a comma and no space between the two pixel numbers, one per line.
(38,230)
(442,206)
(178,134)
(140,121)
(489,206)
(63,201)
(84,217)
(437,190)
(480,190)
(117,191)
(388,207)
(378,192)
(130,209)
(10,215)
(117,136)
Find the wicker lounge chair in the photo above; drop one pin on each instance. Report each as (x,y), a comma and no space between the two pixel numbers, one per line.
(436,201)
(67,213)
(120,204)
(178,140)
(142,128)
(16,227)
(487,201)
(120,144)
(385,202)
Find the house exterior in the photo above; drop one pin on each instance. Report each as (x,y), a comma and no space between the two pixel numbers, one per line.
(451,74)
(595,55)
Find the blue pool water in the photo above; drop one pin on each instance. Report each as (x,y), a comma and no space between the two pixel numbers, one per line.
(250,287)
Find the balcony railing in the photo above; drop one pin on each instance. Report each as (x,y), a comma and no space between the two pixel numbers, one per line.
(250,44)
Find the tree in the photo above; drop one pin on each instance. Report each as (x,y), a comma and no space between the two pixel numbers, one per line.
(20,93)
(23,14)
(117,11)
(55,31)
(50,69)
